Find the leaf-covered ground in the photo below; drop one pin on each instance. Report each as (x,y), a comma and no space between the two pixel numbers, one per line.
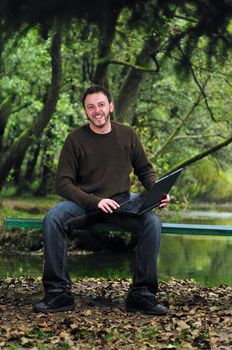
(199,318)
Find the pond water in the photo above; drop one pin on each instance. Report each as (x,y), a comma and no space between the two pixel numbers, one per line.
(207,217)
(206,259)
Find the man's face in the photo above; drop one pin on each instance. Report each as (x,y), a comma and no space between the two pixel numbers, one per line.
(98,109)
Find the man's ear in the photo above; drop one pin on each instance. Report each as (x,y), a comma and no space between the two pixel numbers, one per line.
(111,107)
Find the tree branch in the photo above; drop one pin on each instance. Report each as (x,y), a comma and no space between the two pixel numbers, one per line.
(195,66)
(228,41)
(197,136)
(186,18)
(203,93)
(178,128)
(135,66)
(202,155)
(25,105)
(199,85)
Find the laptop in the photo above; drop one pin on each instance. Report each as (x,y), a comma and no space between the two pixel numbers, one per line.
(148,200)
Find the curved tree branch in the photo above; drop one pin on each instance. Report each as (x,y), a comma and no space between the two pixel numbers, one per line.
(198,136)
(179,127)
(135,66)
(201,88)
(202,155)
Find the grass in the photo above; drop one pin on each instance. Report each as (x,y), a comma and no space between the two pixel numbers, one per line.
(26,206)
(40,333)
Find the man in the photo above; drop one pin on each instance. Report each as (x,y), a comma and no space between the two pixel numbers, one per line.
(94,166)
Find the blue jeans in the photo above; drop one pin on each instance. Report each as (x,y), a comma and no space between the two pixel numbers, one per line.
(56,233)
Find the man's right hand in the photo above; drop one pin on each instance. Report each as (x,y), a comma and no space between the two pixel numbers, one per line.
(107,205)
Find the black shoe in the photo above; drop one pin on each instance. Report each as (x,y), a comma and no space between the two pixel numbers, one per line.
(146,304)
(55,302)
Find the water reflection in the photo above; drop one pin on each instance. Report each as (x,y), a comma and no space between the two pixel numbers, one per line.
(208,260)
(207,217)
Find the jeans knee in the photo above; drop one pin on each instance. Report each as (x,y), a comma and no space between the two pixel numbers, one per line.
(53,221)
(151,225)
(62,212)
(50,217)
(152,220)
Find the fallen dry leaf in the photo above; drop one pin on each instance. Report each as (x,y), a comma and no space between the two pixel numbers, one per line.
(199,318)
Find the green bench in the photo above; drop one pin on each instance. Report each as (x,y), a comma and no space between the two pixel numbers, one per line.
(189,229)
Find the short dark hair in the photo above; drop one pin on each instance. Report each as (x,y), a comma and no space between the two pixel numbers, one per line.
(95,89)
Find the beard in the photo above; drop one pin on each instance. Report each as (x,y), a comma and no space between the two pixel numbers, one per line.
(99,120)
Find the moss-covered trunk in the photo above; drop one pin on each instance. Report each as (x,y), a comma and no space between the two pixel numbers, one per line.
(128,94)
(107,26)
(26,138)
(5,109)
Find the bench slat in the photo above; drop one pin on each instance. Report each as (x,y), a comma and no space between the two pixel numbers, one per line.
(23,223)
(211,230)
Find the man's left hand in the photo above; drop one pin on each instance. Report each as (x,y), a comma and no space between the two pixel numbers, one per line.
(165,201)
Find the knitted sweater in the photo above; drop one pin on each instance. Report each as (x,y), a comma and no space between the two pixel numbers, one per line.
(95,166)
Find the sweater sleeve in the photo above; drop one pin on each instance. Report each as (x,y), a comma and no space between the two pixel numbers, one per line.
(66,178)
(142,166)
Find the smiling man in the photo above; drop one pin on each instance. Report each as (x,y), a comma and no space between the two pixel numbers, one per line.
(94,166)
(98,109)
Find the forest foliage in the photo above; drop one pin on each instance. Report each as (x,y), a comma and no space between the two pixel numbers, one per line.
(169,70)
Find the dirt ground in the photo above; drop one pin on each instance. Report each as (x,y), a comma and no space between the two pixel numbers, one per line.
(198,318)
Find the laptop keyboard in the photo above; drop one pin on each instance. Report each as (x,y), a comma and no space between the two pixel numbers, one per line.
(131,204)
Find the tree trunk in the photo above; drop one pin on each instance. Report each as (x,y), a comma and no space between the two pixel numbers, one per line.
(48,174)
(128,94)
(24,182)
(5,110)
(31,163)
(107,25)
(29,135)
(17,173)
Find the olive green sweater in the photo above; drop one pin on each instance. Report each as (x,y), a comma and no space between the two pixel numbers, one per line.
(95,166)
